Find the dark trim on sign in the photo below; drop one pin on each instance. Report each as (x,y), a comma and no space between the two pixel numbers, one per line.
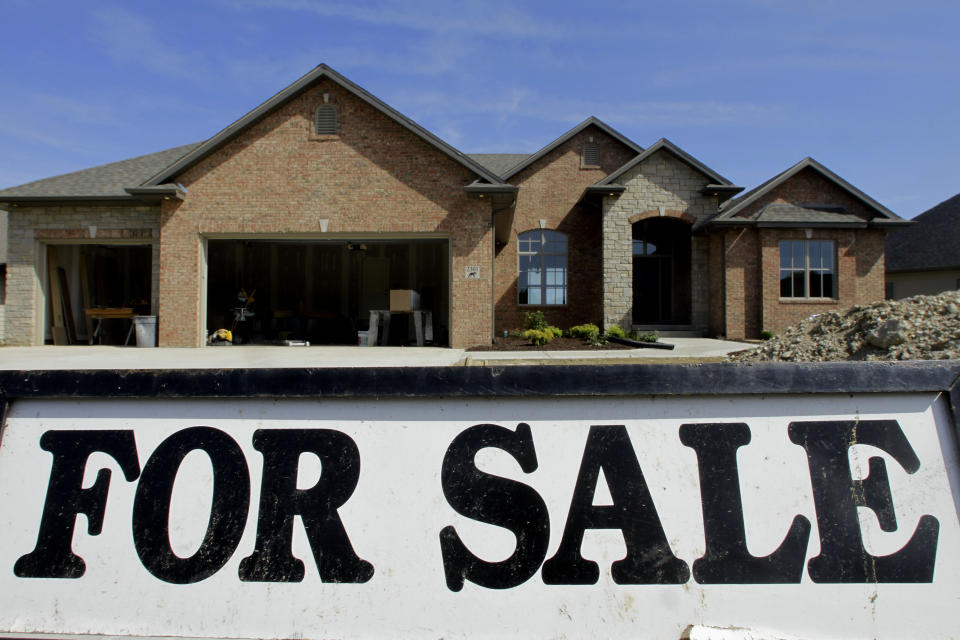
(713,379)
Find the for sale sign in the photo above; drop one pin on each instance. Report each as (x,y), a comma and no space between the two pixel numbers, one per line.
(794,516)
(487,506)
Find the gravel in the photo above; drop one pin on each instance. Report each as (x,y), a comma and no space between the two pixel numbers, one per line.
(917,328)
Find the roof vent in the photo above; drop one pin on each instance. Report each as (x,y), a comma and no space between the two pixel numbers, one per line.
(591,155)
(326,121)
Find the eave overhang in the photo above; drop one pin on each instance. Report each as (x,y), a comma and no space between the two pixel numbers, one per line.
(723,191)
(898,223)
(759,224)
(65,201)
(604,190)
(482,189)
(159,192)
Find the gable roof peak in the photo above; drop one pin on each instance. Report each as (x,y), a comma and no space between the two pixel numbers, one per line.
(664,143)
(569,135)
(322,70)
(732,207)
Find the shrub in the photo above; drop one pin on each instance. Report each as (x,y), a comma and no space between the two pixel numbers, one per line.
(644,336)
(516,333)
(588,332)
(534,320)
(616,331)
(538,337)
(556,331)
(766,335)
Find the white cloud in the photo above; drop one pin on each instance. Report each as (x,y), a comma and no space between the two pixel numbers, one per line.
(129,38)
(476,18)
(525,103)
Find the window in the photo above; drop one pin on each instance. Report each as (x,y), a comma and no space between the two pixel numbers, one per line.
(543,267)
(807,269)
(326,120)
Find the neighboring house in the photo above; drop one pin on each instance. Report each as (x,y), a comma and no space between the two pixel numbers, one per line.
(323,199)
(925,257)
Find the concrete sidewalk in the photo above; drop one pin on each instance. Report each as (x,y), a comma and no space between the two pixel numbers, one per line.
(83,357)
(683,348)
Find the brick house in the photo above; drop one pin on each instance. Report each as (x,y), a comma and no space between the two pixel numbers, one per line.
(323,199)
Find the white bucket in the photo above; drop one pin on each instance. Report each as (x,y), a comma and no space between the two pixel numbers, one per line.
(146,330)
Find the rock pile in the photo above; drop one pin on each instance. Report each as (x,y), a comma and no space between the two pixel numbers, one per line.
(917,328)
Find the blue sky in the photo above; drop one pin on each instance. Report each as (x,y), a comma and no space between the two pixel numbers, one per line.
(870,89)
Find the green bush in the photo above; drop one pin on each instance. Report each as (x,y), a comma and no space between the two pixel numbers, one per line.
(534,320)
(538,337)
(766,335)
(588,332)
(616,331)
(556,331)
(644,336)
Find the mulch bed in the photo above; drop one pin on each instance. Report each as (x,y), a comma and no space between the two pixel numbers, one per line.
(557,344)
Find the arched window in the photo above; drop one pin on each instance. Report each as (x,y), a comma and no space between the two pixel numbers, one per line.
(542,277)
(326,121)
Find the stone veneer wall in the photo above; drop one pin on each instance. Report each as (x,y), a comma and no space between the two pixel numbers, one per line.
(31,229)
(662,180)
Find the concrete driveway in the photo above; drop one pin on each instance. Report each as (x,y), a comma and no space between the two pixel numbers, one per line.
(107,357)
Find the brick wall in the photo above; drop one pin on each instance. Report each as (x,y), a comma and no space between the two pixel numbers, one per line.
(31,229)
(741,258)
(859,274)
(756,299)
(662,180)
(715,282)
(549,190)
(808,187)
(375,179)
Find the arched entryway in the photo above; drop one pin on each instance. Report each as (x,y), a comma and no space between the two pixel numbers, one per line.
(661,271)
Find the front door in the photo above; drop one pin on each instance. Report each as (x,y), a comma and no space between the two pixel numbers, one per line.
(661,271)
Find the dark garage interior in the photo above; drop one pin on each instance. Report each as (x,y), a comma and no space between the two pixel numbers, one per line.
(322,291)
(92,286)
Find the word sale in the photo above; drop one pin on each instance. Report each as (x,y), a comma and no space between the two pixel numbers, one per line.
(490,499)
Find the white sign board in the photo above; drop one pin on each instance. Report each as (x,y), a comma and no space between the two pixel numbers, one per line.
(814,517)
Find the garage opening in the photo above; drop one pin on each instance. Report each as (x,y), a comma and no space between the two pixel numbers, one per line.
(94,291)
(322,291)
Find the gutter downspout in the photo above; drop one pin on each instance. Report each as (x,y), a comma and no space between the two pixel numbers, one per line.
(493,266)
(493,273)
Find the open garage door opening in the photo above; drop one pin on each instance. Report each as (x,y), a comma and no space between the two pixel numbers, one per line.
(269,291)
(95,292)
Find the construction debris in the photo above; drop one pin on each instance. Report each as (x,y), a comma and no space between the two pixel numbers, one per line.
(917,328)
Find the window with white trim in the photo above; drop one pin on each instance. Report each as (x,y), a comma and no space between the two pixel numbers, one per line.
(807,269)
(542,273)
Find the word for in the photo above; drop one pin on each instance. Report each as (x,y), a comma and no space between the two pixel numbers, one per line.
(487,498)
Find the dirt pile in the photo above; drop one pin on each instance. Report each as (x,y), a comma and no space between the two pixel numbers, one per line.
(917,328)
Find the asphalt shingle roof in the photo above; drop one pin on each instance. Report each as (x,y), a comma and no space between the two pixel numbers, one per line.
(933,242)
(791,213)
(498,163)
(107,180)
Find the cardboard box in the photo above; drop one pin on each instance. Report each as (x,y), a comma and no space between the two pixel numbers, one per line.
(404,300)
